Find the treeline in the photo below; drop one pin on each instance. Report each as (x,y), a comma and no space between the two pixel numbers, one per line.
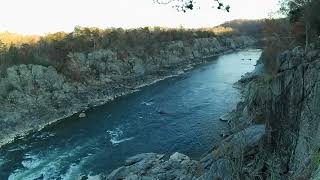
(53,49)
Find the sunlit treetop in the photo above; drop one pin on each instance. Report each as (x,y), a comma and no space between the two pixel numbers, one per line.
(185,5)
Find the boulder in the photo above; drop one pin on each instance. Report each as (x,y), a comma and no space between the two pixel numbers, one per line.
(258,71)
(217,163)
(219,169)
(138,68)
(242,141)
(154,166)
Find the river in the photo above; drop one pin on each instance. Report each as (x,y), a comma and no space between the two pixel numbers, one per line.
(177,114)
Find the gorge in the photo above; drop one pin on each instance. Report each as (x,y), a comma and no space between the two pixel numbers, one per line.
(235,101)
(107,135)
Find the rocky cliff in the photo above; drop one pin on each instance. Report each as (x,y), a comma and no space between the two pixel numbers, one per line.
(274,131)
(287,103)
(33,96)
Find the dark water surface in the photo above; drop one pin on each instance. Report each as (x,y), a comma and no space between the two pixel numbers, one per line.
(177,114)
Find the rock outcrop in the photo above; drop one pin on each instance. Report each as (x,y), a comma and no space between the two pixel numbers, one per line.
(154,166)
(288,103)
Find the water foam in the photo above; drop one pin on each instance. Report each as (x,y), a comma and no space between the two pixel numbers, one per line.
(116,136)
(147,103)
(49,166)
(31,161)
(113,141)
(73,171)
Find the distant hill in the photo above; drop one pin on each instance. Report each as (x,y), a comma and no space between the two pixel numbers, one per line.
(246,26)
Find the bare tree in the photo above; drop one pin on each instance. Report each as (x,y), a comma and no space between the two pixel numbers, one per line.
(302,11)
(185,5)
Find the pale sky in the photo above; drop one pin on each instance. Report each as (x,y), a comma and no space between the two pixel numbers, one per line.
(42,16)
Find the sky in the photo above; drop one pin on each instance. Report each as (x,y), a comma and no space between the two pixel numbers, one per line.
(44,16)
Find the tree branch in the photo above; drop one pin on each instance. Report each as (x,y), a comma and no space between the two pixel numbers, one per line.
(184,5)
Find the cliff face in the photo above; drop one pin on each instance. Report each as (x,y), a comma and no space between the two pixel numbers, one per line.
(288,103)
(33,95)
(292,111)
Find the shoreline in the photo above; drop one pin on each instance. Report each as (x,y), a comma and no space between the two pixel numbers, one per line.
(177,72)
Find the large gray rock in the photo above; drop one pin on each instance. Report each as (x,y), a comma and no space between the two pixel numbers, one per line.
(154,166)
(244,140)
(257,72)
(221,163)
(138,67)
(219,169)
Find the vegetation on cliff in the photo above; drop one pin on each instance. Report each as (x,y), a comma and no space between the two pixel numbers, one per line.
(53,49)
(301,27)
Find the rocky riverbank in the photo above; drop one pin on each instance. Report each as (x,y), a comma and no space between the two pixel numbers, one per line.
(34,96)
(274,131)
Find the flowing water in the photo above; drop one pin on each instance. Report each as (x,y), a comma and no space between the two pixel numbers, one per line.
(177,114)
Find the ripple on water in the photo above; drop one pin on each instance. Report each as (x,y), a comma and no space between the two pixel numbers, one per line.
(116,136)
(148,103)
